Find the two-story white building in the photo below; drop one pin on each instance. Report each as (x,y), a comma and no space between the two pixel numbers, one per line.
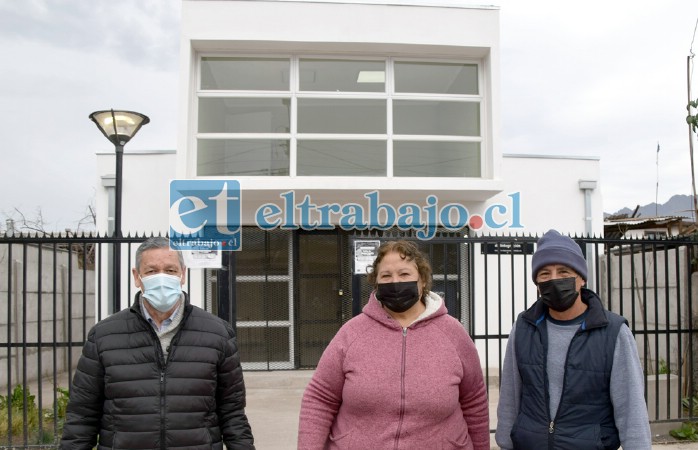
(344,122)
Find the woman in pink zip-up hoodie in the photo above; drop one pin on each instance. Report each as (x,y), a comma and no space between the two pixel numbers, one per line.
(402,375)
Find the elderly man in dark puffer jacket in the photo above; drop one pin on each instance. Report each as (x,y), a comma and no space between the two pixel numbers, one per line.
(162,374)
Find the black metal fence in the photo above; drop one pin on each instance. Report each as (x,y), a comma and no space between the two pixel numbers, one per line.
(53,289)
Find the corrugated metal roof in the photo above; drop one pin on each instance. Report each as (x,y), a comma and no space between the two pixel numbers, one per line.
(662,220)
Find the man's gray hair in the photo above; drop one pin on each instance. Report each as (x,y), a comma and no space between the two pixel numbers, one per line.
(154,243)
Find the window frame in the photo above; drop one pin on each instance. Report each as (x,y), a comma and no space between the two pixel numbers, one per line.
(389,96)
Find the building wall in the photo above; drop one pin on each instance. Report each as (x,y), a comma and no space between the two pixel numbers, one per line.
(550,192)
(344,29)
(145,190)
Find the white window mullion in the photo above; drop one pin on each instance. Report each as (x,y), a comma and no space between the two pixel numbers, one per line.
(390,91)
(293,142)
(485,125)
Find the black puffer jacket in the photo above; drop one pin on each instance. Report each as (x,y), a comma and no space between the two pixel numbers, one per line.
(127,395)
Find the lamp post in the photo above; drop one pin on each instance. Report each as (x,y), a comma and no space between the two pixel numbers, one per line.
(119,127)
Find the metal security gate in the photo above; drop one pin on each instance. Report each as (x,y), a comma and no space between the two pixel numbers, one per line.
(323,300)
(257,288)
(288,292)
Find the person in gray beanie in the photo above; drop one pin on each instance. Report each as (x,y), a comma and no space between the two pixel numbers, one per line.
(571,378)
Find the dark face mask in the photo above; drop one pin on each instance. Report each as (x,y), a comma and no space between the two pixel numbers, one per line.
(398,297)
(559,294)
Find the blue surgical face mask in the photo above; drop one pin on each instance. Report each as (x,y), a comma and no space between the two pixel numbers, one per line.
(161,290)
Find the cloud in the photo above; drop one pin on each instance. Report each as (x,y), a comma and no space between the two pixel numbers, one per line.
(68,59)
(140,31)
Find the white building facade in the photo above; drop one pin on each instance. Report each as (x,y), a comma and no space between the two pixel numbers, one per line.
(325,112)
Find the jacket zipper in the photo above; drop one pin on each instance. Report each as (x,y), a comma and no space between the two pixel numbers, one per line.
(163,433)
(163,365)
(402,388)
(551,426)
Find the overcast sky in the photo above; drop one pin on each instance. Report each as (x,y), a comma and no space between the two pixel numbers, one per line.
(596,78)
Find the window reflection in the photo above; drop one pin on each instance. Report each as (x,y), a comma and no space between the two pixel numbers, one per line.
(262,157)
(244,115)
(342,158)
(342,116)
(436,159)
(228,73)
(337,75)
(436,118)
(436,78)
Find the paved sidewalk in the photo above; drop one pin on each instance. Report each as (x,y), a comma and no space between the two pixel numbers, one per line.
(274,400)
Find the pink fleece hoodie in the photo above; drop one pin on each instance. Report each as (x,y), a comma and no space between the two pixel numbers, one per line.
(379,386)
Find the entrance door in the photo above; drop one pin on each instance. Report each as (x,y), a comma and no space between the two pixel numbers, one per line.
(322,301)
(261,299)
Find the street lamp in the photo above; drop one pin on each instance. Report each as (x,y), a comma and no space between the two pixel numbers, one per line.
(119,127)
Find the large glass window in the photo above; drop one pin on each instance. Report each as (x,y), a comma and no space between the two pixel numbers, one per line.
(244,115)
(436,78)
(436,159)
(247,74)
(339,117)
(432,118)
(336,75)
(344,158)
(242,157)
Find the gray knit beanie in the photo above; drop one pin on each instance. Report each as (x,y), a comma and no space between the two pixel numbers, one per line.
(554,248)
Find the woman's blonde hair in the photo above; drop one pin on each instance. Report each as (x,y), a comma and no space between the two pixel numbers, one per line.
(407,251)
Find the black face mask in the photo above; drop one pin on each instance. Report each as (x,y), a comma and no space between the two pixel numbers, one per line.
(559,294)
(398,297)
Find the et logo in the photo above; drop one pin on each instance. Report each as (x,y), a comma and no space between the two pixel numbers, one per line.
(205,215)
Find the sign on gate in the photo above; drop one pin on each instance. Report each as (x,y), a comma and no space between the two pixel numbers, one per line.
(364,254)
(507,248)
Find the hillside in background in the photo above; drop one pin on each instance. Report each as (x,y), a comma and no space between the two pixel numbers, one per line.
(678,205)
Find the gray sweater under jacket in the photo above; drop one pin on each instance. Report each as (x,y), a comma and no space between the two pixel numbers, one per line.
(626,384)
